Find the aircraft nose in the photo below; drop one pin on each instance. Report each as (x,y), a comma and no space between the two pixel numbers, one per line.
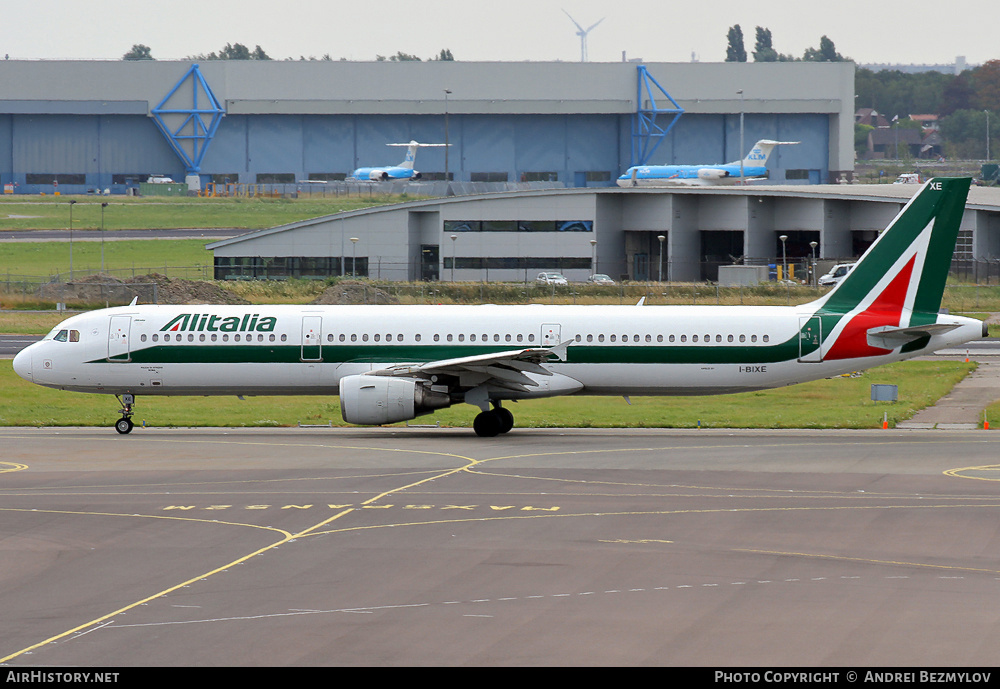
(22,363)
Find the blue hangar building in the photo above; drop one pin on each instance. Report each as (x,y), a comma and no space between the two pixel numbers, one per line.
(84,126)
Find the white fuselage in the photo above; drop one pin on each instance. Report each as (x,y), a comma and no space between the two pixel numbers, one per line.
(295,350)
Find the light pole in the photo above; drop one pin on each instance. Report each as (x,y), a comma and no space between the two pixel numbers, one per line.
(354,255)
(453,238)
(593,257)
(103,206)
(741,135)
(446,146)
(812,248)
(987,135)
(784,258)
(71,204)
(661,239)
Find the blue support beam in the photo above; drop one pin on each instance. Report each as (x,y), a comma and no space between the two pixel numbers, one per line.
(189,130)
(646,133)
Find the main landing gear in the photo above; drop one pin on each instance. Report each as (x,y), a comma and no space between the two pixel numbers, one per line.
(491,423)
(124,425)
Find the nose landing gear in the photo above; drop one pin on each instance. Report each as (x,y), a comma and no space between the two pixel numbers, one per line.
(124,425)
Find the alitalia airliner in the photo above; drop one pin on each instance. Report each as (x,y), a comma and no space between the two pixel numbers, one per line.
(394,363)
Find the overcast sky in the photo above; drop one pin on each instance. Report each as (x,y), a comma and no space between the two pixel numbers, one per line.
(916,31)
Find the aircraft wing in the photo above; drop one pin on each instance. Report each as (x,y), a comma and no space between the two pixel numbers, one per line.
(502,369)
(888,337)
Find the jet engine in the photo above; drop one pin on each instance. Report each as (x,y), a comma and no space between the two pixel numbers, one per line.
(379,176)
(712,173)
(376,400)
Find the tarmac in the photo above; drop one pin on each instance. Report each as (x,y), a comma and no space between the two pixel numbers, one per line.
(964,406)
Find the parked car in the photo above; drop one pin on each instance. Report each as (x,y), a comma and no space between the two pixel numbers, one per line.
(552,279)
(836,274)
(600,279)
(908,178)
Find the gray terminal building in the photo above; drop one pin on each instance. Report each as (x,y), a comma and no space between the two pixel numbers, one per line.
(85,126)
(677,234)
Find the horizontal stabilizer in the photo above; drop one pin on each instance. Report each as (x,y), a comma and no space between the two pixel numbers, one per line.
(888,337)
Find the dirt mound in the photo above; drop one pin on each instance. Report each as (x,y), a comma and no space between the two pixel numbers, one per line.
(178,291)
(150,289)
(345,293)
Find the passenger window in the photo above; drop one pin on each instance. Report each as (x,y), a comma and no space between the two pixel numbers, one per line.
(377,337)
(354,337)
(142,338)
(753,338)
(590,338)
(684,338)
(614,338)
(600,338)
(694,338)
(437,338)
(765,338)
(364,337)
(155,337)
(743,338)
(416,338)
(718,338)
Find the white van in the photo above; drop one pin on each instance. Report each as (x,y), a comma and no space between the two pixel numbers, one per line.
(836,274)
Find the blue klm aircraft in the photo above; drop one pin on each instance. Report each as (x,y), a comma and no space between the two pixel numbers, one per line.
(754,168)
(389,173)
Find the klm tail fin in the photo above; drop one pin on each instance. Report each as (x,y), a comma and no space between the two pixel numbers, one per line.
(906,268)
(411,152)
(761,151)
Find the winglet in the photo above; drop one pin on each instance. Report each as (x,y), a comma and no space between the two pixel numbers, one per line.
(135,300)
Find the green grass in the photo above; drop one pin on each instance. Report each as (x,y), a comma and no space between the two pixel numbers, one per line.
(158,213)
(122,258)
(841,402)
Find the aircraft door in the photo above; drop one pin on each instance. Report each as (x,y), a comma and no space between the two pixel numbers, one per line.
(810,339)
(118,339)
(311,347)
(551,334)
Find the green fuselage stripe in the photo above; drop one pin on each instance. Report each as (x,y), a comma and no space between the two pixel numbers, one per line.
(632,353)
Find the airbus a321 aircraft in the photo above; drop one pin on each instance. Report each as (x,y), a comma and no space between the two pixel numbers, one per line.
(754,168)
(390,173)
(394,363)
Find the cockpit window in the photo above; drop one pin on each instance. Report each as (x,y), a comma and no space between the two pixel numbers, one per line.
(61,336)
(74,335)
(64,335)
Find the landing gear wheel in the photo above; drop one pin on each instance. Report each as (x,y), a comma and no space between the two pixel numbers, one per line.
(487,424)
(506,419)
(124,425)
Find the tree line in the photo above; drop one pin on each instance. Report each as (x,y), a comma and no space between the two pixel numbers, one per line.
(964,103)
(238,51)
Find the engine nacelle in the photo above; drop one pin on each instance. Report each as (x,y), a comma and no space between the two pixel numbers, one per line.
(376,400)
(712,173)
(415,175)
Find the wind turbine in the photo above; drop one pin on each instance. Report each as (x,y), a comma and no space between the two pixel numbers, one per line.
(582,33)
